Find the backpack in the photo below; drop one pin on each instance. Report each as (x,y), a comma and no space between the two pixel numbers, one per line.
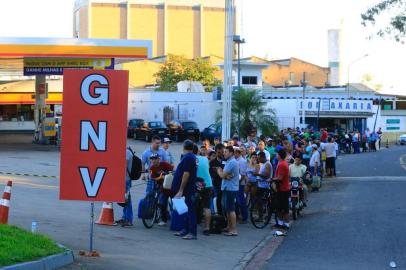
(136,167)
(217,224)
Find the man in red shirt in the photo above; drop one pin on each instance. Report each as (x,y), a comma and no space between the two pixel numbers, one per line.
(283,191)
(158,170)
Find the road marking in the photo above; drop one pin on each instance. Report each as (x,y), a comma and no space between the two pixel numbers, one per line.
(27,174)
(402,161)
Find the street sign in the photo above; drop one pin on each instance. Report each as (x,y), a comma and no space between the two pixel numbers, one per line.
(56,66)
(94,133)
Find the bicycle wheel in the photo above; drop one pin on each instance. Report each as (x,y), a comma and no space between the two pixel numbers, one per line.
(260,213)
(150,214)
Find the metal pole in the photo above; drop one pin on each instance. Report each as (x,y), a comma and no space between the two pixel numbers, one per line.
(303,108)
(228,65)
(318,115)
(91,226)
(377,111)
(239,88)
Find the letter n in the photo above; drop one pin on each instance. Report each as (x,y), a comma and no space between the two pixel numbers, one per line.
(88,133)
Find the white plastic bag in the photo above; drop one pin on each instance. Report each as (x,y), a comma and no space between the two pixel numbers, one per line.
(179,205)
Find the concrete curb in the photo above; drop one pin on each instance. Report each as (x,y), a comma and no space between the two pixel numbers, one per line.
(47,263)
(251,254)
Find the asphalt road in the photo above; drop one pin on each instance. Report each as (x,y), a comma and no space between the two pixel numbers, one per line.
(357,221)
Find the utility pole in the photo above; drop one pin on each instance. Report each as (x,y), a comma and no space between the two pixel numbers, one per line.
(237,39)
(228,67)
(304,83)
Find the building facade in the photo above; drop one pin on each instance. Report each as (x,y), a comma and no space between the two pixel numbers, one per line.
(193,28)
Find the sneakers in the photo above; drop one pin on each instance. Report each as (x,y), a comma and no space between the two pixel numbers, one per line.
(162,223)
(126,224)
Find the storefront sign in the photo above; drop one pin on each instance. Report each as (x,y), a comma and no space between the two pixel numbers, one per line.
(392,124)
(93,165)
(55,66)
(337,105)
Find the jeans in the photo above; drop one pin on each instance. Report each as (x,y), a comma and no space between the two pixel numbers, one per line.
(163,204)
(218,194)
(242,208)
(128,209)
(190,216)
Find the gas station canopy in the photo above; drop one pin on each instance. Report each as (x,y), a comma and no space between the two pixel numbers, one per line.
(14,51)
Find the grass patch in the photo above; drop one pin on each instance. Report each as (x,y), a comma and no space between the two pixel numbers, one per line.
(18,245)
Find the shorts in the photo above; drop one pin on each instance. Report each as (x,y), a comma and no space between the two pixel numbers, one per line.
(330,163)
(229,200)
(282,198)
(206,195)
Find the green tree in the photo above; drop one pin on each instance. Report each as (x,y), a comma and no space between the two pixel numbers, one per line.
(178,68)
(395,10)
(254,113)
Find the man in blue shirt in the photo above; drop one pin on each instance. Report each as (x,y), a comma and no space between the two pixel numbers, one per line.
(146,162)
(184,184)
(230,186)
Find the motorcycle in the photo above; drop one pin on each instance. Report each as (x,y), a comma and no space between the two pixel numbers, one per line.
(296,197)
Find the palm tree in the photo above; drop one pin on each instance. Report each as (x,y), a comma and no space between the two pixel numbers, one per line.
(253,112)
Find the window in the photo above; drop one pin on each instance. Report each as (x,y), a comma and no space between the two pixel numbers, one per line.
(250,80)
(291,77)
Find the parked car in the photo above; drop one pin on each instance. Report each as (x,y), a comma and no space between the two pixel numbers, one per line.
(402,139)
(211,132)
(182,130)
(150,129)
(133,124)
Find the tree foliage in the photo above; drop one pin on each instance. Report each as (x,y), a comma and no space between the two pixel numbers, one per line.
(178,68)
(254,114)
(396,12)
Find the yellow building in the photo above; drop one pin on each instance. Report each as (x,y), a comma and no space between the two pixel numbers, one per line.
(193,28)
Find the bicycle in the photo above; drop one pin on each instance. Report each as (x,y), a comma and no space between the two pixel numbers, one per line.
(152,213)
(261,209)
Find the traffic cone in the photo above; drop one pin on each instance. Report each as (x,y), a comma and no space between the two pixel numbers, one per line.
(5,203)
(107,215)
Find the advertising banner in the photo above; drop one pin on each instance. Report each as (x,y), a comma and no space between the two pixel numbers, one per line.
(93,164)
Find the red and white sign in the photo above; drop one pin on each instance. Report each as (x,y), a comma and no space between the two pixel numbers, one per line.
(94,134)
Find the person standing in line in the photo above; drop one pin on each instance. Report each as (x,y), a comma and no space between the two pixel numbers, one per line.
(146,162)
(216,163)
(330,149)
(165,145)
(230,186)
(184,184)
(128,217)
(241,201)
(207,190)
(315,161)
(261,148)
(283,190)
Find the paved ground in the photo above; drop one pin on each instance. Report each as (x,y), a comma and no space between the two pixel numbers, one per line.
(354,222)
(67,222)
(343,228)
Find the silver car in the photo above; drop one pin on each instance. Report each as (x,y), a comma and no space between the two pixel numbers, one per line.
(402,139)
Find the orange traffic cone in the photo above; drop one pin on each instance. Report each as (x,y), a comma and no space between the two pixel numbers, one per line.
(107,215)
(5,203)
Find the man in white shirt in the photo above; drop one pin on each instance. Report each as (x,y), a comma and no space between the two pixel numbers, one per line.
(314,161)
(330,149)
(261,148)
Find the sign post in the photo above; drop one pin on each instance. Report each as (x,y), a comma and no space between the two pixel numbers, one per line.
(93,146)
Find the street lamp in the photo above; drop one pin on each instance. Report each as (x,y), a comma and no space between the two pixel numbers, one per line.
(237,39)
(348,72)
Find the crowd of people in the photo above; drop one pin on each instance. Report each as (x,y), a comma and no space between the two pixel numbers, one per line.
(225,174)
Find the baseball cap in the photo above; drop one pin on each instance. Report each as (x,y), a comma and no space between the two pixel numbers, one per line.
(154,156)
(314,146)
(167,140)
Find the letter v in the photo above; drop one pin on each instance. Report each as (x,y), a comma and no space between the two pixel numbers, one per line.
(92,185)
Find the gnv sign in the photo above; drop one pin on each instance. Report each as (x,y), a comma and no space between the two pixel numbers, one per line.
(94,135)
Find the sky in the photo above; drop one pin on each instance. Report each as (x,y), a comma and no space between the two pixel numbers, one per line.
(274,29)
